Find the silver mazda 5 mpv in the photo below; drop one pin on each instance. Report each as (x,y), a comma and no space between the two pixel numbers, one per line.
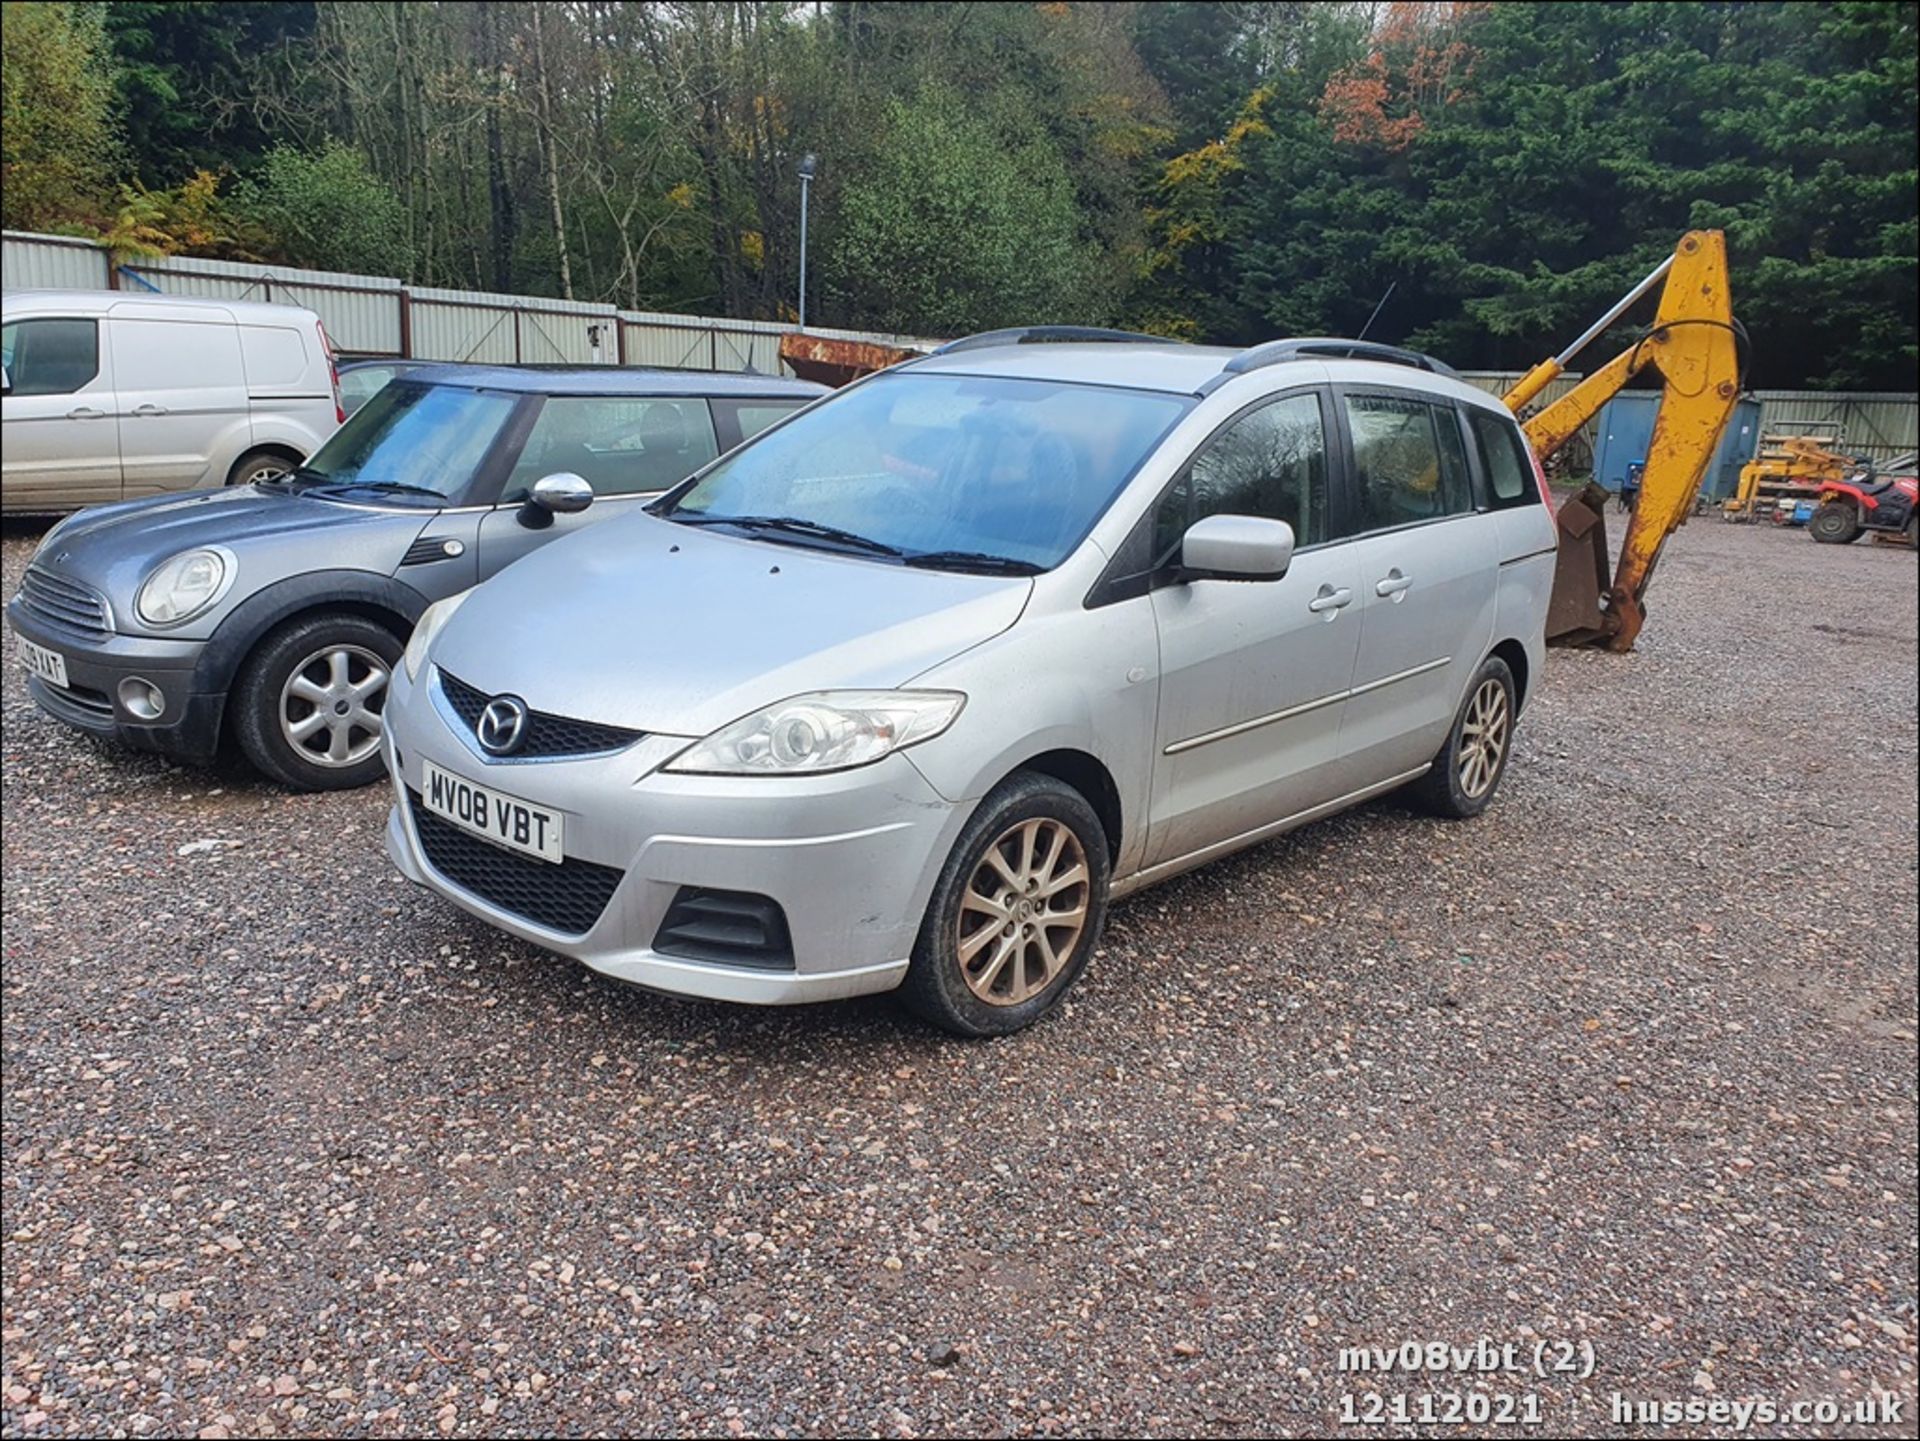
(904,691)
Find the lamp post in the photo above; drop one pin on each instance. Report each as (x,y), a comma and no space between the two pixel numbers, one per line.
(808,163)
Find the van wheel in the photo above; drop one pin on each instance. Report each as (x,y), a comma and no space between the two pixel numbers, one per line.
(1018,909)
(307,706)
(1467,771)
(259,465)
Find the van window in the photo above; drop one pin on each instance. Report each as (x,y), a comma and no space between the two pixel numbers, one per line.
(50,357)
(619,444)
(1504,457)
(1408,462)
(1271,462)
(174,355)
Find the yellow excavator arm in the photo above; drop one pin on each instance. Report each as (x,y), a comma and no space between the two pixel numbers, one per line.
(1692,345)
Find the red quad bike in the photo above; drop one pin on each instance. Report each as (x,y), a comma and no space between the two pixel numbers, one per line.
(1881,497)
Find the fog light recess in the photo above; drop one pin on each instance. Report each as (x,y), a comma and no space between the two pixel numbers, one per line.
(142,699)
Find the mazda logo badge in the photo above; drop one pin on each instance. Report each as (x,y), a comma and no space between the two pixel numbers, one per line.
(502,725)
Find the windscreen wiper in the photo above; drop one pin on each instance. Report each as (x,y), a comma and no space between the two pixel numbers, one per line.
(973,560)
(379,487)
(792,525)
(296,479)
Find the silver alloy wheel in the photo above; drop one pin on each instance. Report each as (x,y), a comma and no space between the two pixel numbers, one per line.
(1023,911)
(1483,738)
(330,706)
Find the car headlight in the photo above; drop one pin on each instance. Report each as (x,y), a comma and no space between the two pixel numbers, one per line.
(431,619)
(185,585)
(829,730)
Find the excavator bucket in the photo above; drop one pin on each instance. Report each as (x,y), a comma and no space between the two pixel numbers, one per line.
(1574,616)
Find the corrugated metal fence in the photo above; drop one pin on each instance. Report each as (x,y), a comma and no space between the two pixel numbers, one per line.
(380,315)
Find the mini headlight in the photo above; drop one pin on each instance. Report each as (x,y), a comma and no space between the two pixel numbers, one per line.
(822,731)
(184,586)
(431,619)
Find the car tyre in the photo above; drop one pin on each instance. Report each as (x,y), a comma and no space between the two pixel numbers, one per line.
(258,465)
(1467,771)
(1835,523)
(1017,910)
(308,701)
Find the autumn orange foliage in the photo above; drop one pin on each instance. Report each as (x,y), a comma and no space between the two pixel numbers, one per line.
(1419,63)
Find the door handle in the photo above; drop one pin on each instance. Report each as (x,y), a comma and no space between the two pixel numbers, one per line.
(1330,599)
(149,409)
(1394,584)
(86,412)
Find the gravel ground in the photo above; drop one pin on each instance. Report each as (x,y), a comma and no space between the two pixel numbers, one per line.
(291,1148)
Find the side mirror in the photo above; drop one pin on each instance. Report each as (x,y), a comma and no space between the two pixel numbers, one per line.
(1236,547)
(562,493)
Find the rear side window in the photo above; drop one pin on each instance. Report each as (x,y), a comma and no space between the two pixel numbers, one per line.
(754,416)
(1408,462)
(1503,455)
(50,357)
(619,445)
(1270,462)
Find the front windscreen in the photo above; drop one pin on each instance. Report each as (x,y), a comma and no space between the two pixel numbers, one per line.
(932,467)
(410,439)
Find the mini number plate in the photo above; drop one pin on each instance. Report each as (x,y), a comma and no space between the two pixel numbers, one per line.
(49,665)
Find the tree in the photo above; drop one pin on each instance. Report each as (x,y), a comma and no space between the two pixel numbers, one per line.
(185,76)
(58,140)
(956,226)
(326,211)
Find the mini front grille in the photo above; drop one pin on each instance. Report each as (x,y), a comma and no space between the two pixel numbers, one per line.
(568,897)
(547,736)
(730,928)
(66,604)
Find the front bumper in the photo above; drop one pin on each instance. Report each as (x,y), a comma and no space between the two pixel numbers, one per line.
(850,858)
(188,726)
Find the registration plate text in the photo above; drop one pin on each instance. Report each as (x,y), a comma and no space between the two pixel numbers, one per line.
(506,821)
(49,665)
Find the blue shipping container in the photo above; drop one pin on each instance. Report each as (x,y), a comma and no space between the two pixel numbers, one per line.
(1625,426)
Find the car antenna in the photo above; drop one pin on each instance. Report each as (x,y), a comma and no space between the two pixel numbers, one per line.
(1376,310)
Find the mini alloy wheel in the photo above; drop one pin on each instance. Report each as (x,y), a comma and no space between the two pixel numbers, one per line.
(307,707)
(330,706)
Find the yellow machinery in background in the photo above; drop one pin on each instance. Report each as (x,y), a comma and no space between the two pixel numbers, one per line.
(1694,345)
(1790,468)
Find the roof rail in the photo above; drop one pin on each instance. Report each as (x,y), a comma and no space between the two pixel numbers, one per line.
(1048,334)
(1330,348)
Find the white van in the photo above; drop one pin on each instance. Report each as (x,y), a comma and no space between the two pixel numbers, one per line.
(108,396)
